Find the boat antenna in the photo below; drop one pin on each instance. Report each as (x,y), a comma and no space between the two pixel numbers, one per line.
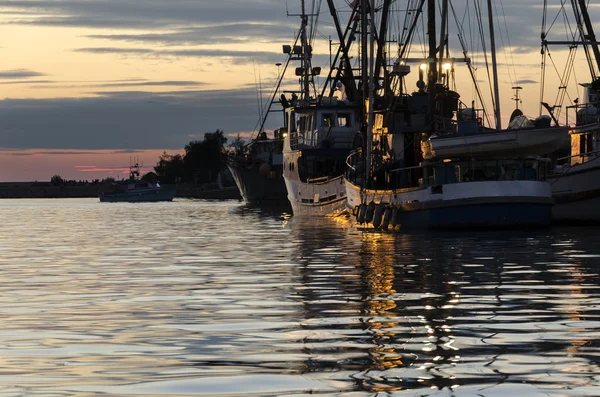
(516,98)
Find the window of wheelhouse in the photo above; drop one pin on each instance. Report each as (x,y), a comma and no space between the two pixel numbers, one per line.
(344,120)
(327,120)
(291,123)
(304,121)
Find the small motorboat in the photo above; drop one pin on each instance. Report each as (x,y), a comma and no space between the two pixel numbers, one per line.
(135,190)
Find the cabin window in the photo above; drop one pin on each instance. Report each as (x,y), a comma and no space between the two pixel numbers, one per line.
(304,122)
(327,120)
(343,120)
(291,122)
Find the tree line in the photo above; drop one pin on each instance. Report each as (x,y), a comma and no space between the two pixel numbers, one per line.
(201,163)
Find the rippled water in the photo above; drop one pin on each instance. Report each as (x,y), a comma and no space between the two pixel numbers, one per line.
(213,298)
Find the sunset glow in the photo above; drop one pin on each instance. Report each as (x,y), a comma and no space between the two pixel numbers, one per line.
(88,82)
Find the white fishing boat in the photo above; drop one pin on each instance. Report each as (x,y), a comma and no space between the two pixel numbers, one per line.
(315,152)
(321,133)
(425,165)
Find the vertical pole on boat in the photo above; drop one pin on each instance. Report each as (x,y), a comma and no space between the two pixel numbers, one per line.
(432,71)
(443,35)
(371,88)
(494,66)
(591,37)
(305,56)
(365,92)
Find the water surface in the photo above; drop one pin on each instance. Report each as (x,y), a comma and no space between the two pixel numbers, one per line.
(196,298)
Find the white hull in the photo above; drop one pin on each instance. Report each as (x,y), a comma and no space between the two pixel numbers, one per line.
(316,199)
(466,204)
(496,144)
(577,193)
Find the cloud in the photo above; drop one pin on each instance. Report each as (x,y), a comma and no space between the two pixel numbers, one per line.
(227,33)
(526,81)
(127,120)
(28,82)
(236,57)
(149,14)
(19,74)
(170,83)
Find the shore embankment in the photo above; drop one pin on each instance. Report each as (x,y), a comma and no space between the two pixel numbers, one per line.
(23,190)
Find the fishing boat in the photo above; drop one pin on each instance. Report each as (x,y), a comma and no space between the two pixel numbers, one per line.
(428,160)
(322,130)
(135,190)
(258,170)
(576,178)
(257,167)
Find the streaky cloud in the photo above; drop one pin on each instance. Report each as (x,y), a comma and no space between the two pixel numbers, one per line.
(19,74)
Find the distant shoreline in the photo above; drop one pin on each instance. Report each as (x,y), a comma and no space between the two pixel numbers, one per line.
(23,190)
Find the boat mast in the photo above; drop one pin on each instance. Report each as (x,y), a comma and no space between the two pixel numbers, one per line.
(367,80)
(494,66)
(305,56)
(432,70)
(443,35)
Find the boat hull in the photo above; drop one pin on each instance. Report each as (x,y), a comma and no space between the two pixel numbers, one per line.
(577,193)
(316,199)
(487,204)
(150,195)
(258,189)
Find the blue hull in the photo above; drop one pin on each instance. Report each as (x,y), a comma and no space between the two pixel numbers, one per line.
(164,194)
(483,215)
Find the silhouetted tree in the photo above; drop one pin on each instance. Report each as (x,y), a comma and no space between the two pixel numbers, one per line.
(169,168)
(204,159)
(150,177)
(202,162)
(56,180)
(238,144)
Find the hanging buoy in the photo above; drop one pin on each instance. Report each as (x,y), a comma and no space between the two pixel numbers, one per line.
(378,215)
(387,216)
(370,212)
(264,170)
(362,211)
(395,216)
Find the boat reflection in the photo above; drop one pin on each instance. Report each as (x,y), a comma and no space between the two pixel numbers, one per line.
(440,311)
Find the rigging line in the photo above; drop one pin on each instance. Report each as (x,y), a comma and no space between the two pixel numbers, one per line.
(544,15)
(510,74)
(509,44)
(472,70)
(562,89)
(260,117)
(261,90)
(487,64)
(558,105)
(561,9)
(315,22)
(582,35)
(542,77)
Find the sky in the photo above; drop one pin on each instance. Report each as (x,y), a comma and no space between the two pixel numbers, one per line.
(87,85)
